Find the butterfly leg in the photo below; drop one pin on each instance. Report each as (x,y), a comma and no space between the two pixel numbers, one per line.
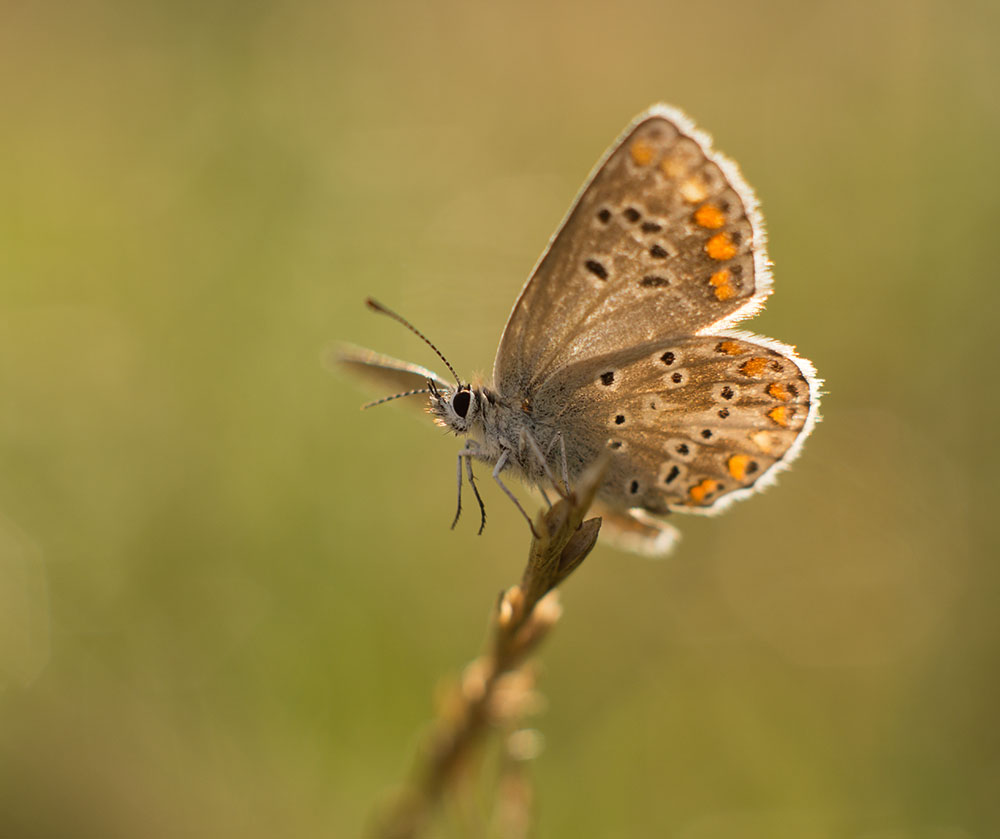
(558,438)
(501,463)
(475,491)
(548,450)
(527,437)
(458,476)
(468,453)
(565,465)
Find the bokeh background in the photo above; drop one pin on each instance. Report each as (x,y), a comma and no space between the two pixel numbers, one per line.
(227,596)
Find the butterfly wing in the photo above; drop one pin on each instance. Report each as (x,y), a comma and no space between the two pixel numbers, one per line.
(663,240)
(397,376)
(692,424)
(636,531)
(620,340)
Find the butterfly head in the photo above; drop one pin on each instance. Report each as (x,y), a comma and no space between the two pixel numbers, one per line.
(457,409)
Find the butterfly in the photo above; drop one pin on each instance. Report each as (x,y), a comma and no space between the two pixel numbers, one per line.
(622,341)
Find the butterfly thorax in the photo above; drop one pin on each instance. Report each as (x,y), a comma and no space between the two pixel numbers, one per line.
(494,425)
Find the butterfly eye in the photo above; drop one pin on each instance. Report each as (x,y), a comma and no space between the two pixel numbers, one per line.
(461,402)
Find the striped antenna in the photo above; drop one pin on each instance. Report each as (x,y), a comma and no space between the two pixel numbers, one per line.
(395,396)
(374,305)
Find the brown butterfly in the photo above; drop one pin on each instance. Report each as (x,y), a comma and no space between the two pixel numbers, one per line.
(622,341)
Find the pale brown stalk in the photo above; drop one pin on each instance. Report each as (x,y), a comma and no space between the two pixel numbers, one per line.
(496,689)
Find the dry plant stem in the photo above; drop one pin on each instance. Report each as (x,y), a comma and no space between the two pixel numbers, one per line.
(515,799)
(497,687)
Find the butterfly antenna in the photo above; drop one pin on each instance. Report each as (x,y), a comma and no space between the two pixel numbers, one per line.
(374,305)
(395,396)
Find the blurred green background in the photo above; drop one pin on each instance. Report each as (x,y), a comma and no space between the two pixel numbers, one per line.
(227,595)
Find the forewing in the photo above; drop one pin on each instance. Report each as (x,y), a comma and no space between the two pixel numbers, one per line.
(395,376)
(691,424)
(663,240)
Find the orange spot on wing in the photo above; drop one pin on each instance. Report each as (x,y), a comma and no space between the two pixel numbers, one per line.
(710,216)
(738,464)
(779,416)
(700,491)
(642,153)
(720,247)
(779,391)
(754,367)
(723,288)
(731,348)
(720,278)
